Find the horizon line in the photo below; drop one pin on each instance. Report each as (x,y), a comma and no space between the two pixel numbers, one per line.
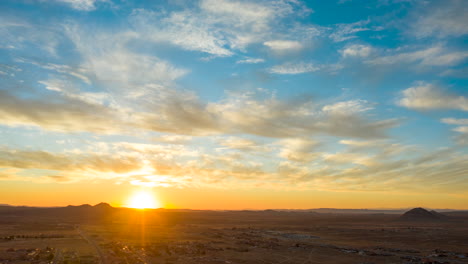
(243,209)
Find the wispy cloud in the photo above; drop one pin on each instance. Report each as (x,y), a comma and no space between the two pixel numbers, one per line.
(301,150)
(132,101)
(76,72)
(20,34)
(218,28)
(85,162)
(440,19)
(82,5)
(461,128)
(356,50)
(112,62)
(426,96)
(250,61)
(272,117)
(455,121)
(242,144)
(431,56)
(173,139)
(343,32)
(294,68)
(283,46)
(457,73)
(59,114)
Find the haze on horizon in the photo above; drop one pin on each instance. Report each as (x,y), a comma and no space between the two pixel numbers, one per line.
(234,104)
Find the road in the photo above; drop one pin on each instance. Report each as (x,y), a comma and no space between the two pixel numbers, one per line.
(90,241)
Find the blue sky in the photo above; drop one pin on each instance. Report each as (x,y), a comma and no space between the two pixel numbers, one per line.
(345,95)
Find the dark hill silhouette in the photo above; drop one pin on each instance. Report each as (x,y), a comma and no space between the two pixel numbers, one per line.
(70,213)
(79,206)
(441,216)
(457,213)
(103,207)
(421,214)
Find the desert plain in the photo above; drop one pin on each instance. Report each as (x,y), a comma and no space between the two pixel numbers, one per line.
(108,235)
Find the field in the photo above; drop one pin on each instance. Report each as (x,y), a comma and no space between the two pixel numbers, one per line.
(113,235)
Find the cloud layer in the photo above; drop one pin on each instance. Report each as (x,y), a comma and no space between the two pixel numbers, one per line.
(236,94)
(427,96)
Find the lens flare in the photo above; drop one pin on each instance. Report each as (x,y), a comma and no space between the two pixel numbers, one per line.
(143,200)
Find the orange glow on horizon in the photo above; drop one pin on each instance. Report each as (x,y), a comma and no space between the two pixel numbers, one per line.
(55,194)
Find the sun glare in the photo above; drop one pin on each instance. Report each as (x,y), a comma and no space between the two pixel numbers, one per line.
(143,200)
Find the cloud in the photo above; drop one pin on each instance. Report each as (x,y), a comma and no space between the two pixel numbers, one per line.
(356,50)
(121,162)
(372,166)
(173,139)
(298,117)
(77,72)
(457,73)
(58,114)
(183,113)
(178,112)
(82,5)
(120,89)
(378,165)
(299,149)
(283,46)
(237,143)
(116,66)
(66,108)
(185,29)
(242,144)
(349,158)
(122,77)
(432,56)
(107,58)
(461,129)
(441,19)
(70,92)
(164,181)
(347,107)
(425,96)
(454,121)
(294,68)
(67,162)
(343,32)
(383,147)
(18,34)
(250,61)
(8,173)
(244,11)
(117,81)
(154,151)
(218,28)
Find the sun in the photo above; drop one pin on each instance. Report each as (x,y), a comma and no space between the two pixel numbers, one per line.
(143,200)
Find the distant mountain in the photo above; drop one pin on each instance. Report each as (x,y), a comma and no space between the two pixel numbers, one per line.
(356,211)
(421,214)
(79,206)
(103,206)
(457,213)
(99,205)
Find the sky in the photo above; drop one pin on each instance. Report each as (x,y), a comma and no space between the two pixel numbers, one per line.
(235,104)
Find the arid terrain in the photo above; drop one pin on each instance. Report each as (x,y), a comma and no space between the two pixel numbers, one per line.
(103,234)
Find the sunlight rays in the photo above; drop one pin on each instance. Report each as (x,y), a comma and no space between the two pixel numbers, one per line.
(143,200)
